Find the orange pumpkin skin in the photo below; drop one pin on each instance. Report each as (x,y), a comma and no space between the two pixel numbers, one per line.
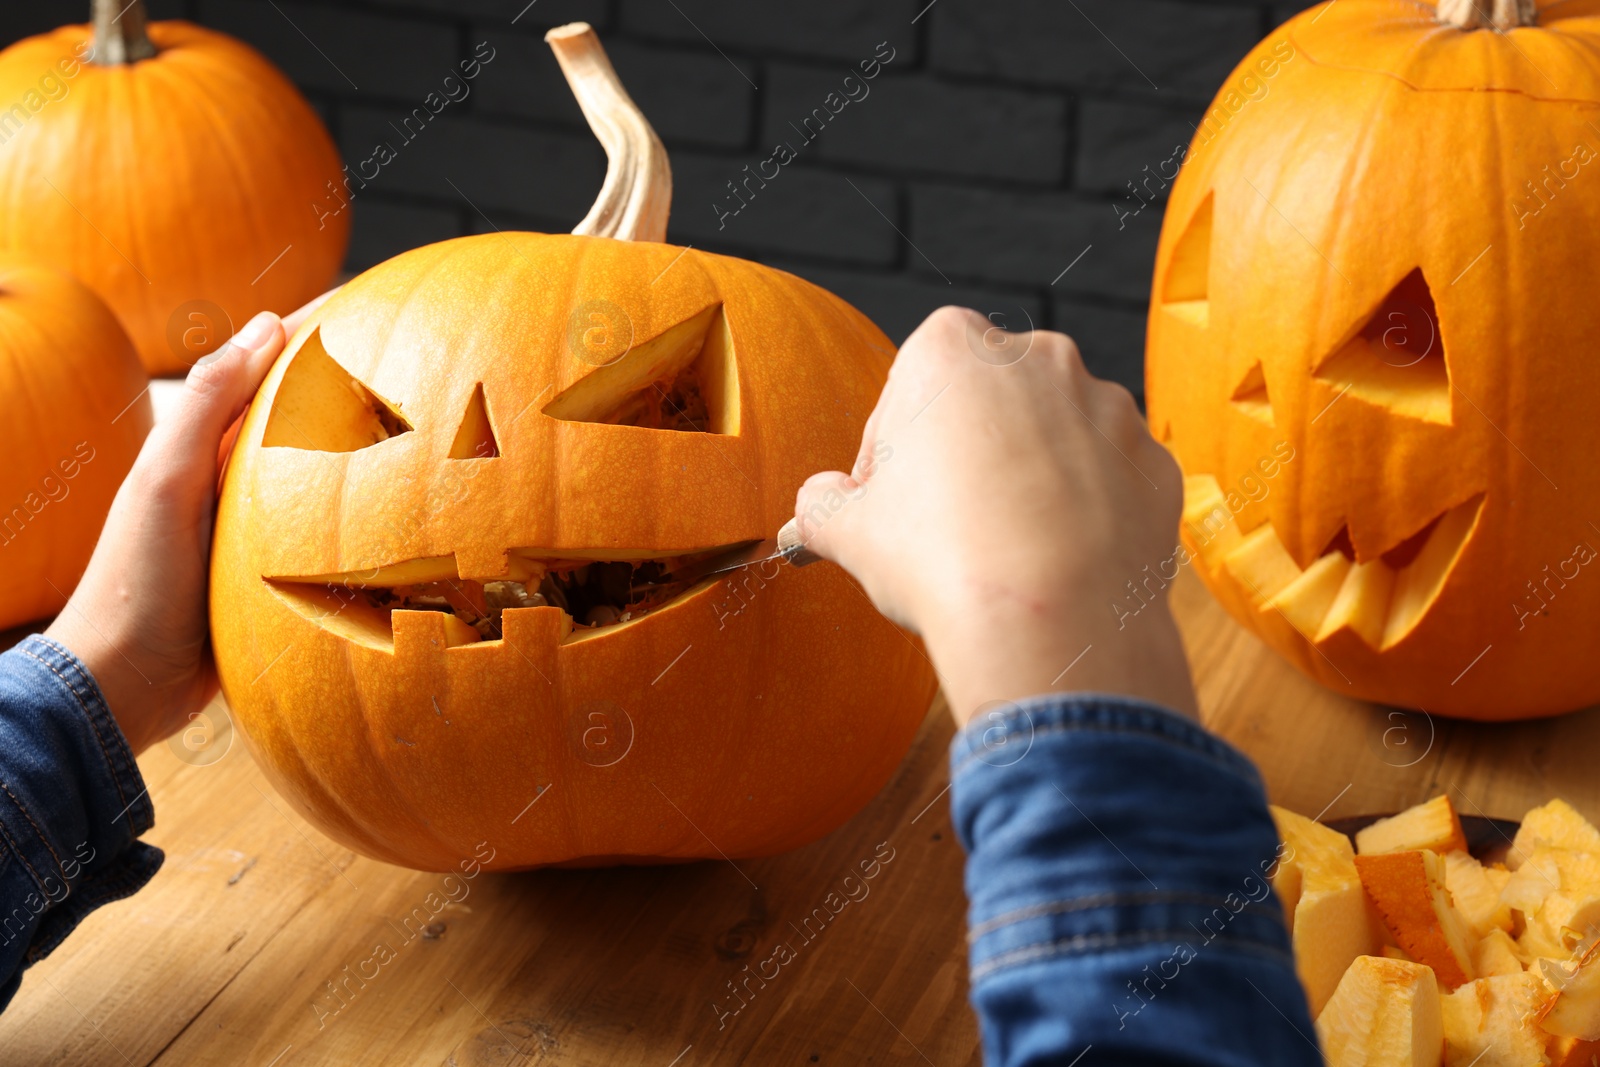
(74,409)
(729,724)
(1324,414)
(170,184)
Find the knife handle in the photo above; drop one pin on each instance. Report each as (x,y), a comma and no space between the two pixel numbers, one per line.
(793,548)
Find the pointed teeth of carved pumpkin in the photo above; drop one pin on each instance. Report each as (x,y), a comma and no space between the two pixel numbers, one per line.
(1380,600)
(589,593)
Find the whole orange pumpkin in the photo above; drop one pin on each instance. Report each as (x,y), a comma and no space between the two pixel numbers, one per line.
(174,171)
(437,598)
(1372,348)
(74,409)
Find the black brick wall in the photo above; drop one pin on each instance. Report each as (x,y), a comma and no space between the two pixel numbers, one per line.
(985,160)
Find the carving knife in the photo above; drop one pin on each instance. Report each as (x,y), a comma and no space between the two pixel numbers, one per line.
(787,547)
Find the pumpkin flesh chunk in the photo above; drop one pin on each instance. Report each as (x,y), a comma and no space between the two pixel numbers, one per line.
(1324,904)
(1490,1023)
(1408,890)
(1385,1013)
(1434,826)
(1573,1009)
(592,594)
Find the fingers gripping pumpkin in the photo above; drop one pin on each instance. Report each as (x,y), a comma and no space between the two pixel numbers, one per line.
(1372,350)
(435,595)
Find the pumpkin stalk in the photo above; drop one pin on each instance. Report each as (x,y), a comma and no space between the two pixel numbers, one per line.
(636,197)
(119,33)
(1491,14)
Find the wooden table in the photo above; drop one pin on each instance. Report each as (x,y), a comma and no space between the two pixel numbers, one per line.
(227,957)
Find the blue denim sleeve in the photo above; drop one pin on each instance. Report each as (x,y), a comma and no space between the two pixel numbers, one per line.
(1118,866)
(72,804)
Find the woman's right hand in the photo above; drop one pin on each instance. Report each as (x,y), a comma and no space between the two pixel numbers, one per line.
(1000,511)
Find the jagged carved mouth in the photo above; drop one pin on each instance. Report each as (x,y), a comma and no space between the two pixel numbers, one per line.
(590,594)
(1381,599)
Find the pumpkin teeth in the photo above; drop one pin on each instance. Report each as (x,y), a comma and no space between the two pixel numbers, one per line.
(591,594)
(1380,600)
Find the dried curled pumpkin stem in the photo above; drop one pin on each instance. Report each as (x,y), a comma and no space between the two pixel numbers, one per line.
(119,33)
(636,198)
(1488,14)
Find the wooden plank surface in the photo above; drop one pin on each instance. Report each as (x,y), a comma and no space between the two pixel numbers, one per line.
(263,943)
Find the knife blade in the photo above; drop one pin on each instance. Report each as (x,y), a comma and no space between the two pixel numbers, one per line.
(787,546)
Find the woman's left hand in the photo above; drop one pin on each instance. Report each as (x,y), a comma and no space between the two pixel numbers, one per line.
(138,619)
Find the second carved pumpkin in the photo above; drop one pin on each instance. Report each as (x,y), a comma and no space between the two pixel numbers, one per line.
(1372,348)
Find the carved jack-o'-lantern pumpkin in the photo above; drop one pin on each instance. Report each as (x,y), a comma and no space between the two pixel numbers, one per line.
(441,594)
(1372,346)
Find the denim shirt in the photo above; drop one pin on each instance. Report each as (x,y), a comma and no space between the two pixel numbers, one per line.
(72,805)
(1118,864)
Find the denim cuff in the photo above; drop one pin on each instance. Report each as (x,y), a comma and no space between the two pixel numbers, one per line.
(1097,822)
(72,800)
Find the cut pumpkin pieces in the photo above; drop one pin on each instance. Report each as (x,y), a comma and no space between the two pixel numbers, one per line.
(1514,955)
(1490,1023)
(1476,890)
(1317,882)
(1553,825)
(1557,890)
(1408,889)
(1433,826)
(1497,954)
(1573,1009)
(1385,1013)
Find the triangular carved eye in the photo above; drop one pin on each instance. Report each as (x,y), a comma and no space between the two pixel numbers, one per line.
(1397,360)
(685,379)
(475,439)
(320,406)
(1187,290)
(1250,396)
